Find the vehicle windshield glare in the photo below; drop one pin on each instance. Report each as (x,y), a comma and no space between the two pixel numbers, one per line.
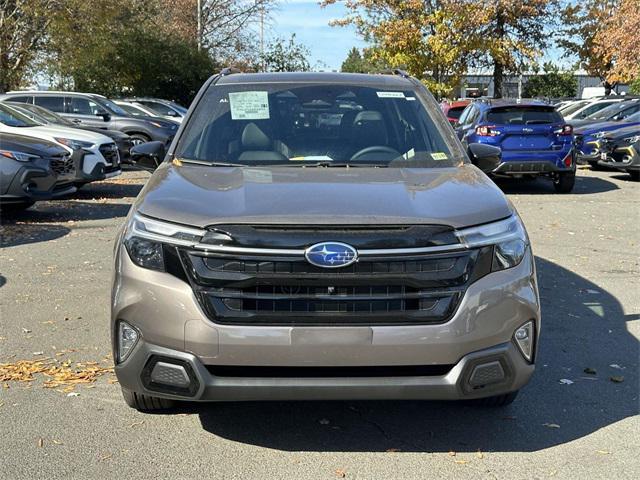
(609,111)
(111,106)
(13,118)
(523,115)
(307,124)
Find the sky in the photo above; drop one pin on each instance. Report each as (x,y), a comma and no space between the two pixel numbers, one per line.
(328,45)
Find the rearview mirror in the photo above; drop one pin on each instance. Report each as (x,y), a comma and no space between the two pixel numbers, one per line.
(148,155)
(485,157)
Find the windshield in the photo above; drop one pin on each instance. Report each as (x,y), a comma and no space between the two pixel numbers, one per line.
(133,110)
(44,115)
(315,124)
(111,106)
(608,112)
(633,118)
(523,115)
(13,118)
(572,108)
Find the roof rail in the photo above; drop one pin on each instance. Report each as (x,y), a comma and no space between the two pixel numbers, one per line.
(396,71)
(230,71)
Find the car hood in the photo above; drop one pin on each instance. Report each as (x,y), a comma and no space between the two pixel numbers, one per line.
(202,196)
(623,132)
(49,132)
(603,127)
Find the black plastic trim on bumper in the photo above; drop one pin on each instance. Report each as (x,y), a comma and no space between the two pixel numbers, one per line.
(529,167)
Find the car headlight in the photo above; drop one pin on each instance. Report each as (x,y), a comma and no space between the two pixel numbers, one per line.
(19,156)
(74,144)
(508,237)
(145,237)
(632,140)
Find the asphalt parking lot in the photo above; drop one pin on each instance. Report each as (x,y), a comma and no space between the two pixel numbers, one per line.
(55,267)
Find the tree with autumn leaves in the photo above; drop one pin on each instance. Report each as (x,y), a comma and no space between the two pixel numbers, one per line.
(440,40)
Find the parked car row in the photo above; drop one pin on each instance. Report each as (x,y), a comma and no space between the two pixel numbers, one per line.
(52,143)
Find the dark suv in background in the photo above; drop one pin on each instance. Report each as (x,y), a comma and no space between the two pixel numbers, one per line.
(90,110)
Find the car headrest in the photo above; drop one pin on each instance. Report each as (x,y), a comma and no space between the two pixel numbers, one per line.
(255,139)
(346,123)
(369,129)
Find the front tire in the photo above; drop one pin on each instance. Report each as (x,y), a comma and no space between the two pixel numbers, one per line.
(138,138)
(146,403)
(564,182)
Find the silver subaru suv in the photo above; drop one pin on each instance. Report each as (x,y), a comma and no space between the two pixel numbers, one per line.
(321,236)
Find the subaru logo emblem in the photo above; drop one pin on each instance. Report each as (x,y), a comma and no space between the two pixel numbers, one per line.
(331,254)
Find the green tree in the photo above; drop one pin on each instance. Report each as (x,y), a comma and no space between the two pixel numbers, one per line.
(635,86)
(357,62)
(584,21)
(552,83)
(23,32)
(286,56)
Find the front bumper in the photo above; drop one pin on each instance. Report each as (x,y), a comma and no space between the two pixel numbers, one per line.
(172,325)
(542,162)
(622,158)
(91,168)
(32,184)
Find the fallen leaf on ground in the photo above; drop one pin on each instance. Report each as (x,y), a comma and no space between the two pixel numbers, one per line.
(26,330)
(461,462)
(603,452)
(551,425)
(40,442)
(452,453)
(566,381)
(38,353)
(340,473)
(73,394)
(57,442)
(590,371)
(615,365)
(135,424)
(617,379)
(479,454)
(105,457)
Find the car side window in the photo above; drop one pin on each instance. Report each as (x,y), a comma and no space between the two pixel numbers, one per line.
(159,108)
(465,113)
(84,106)
(22,99)
(472,117)
(51,102)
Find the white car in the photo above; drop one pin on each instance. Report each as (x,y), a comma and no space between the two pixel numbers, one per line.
(139,110)
(98,153)
(590,107)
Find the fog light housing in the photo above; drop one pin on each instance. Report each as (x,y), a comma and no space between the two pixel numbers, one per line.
(524,337)
(127,339)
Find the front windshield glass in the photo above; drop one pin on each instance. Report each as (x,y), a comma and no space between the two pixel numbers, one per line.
(133,110)
(111,106)
(304,124)
(43,115)
(13,118)
(608,112)
(572,108)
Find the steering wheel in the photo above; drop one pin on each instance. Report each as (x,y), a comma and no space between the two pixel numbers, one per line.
(376,149)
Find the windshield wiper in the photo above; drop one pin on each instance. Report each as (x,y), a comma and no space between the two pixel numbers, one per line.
(209,164)
(341,165)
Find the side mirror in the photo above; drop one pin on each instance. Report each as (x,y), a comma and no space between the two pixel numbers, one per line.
(104,114)
(485,157)
(148,155)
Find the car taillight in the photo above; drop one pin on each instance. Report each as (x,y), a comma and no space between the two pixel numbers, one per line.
(564,130)
(487,131)
(568,160)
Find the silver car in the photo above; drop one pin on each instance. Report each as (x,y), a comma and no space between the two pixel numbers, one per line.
(275,255)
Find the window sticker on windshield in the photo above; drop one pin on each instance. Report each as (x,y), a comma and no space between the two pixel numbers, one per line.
(249,105)
(390,94)
(411,99)
(439,156)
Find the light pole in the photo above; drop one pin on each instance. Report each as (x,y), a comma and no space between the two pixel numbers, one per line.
(199,24)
